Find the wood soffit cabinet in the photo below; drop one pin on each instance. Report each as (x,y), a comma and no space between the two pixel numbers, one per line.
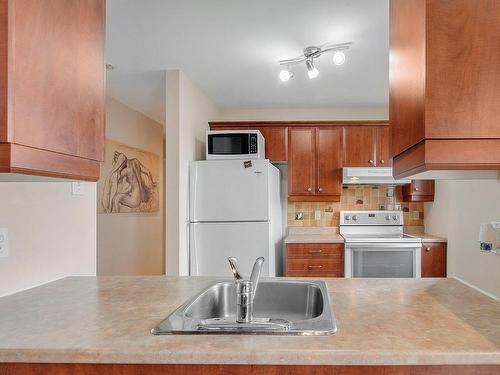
(444,85)
(52,91)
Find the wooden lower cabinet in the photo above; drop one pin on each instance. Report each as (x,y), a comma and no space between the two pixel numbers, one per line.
(315,260)
(433,259)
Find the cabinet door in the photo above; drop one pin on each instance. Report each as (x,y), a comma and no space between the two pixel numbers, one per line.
(58,82)
(301,161)
(433,260)
(383,149)
(422,187)
(329,161)
(276,142)
(359,146)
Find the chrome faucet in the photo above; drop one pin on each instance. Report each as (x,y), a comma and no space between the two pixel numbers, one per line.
(245,290)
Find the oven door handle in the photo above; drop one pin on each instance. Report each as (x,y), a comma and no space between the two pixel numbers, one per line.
(383,245)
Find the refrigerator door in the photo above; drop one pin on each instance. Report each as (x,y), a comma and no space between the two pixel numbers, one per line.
(212,243)
(226,190)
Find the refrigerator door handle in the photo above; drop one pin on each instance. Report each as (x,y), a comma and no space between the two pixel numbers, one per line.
(193,264)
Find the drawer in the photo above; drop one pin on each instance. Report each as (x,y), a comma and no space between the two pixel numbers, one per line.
(314,251)
(328,267)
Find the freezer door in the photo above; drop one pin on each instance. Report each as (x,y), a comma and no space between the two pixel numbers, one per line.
(212,243)
(227,191)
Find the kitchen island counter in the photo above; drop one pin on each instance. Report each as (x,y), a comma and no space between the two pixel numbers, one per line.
(380,322)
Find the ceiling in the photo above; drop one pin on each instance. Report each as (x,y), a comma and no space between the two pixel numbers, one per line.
(231,49)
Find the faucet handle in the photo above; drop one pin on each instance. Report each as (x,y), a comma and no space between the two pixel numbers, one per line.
(257,267)
(234,269)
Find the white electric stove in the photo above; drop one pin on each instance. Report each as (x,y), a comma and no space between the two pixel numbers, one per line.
(375,245)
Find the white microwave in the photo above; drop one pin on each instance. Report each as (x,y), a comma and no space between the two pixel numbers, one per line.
(235,144)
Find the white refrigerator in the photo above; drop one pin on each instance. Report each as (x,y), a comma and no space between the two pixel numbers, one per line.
(234,211)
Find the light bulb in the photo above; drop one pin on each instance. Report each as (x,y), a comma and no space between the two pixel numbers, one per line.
(312,72)
(285,75)
(338,58)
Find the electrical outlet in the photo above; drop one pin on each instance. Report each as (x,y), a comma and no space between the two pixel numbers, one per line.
(415,215)
(317,215)
(4,242)
(77,188)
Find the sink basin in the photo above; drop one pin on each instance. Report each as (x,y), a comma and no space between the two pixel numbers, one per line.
(281,307)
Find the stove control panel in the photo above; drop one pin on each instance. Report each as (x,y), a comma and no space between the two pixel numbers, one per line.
(371,218)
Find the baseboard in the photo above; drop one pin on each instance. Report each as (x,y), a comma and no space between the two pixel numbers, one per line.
(476,288)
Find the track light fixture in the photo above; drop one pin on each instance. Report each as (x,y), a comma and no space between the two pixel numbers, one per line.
(311,53)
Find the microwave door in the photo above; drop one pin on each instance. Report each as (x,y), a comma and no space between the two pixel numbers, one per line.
(228,144)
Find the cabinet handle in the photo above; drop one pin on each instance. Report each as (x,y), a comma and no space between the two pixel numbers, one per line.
(382,161)
(320,189)
(309,189)
(314,267)
(315,251)
(427,249)
(416,188)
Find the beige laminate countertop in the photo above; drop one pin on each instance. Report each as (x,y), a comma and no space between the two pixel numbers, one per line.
(337,238)
(380,321)
(425,237)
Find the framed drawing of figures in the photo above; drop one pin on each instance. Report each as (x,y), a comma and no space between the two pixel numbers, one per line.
(129,180)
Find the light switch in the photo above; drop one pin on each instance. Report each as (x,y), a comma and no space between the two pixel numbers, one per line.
(4,242)
(317,215)
(77,188)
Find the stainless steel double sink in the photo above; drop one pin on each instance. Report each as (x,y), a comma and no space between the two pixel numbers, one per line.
(281,307)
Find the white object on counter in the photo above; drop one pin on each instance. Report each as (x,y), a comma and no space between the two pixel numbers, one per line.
(489,237)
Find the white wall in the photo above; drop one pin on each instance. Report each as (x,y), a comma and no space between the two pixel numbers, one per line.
(132,243)
(284,114)
(188,111)
(52,233)
(458,209)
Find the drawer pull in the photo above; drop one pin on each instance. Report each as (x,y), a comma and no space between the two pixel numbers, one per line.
(427,249)
(314,267)
(315,251)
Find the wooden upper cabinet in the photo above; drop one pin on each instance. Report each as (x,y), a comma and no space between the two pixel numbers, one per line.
(314,164)
(383,158)
(419,191)
(360,144)
(329,161)
(52,56)
(443,105)
(276,142)
(301,162)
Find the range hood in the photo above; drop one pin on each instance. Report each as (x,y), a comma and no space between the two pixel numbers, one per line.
(370,176)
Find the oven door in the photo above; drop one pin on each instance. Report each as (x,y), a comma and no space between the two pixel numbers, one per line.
(390,260)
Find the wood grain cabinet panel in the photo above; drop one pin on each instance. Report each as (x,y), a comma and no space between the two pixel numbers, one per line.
(419,191)
(329,161)
(301,162)
(52,54)
(360,144)
(317,177)
(314,260)
(433,259)
(443,105)
(276,142)
(383,158)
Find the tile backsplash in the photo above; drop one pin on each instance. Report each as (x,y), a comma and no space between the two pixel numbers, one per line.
(363,197)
